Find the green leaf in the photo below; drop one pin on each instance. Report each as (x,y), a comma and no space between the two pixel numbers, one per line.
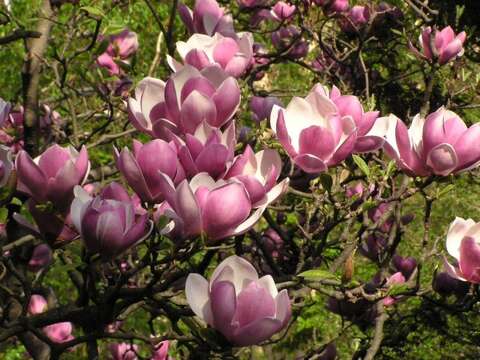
(367,205)
(397,289)
(318,274)
(93,11)
(362,165)
(3,215)
(390,168)
(445,190)
(326,181)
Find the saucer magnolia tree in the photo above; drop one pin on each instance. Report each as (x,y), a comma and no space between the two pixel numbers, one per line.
(248,179)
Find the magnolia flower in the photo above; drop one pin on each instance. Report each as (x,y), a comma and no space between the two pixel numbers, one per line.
(261,107)
(180,105)
(245,309)
(440,144)
(123,351)
(259,173)
(395,279)
(234,56)
(282,11)
(444,284)
(37,304)
(207,18)
(108,225)
(312,132)
(11,126)
(406,265)
(217,209)
(207,150)
(370,134)
(121,46)
(41,257)
(59,332)
(463,244)
(52,175)
(357,17)
(333,5)
(142,168)
(288,39)
(442,46)
(161,351)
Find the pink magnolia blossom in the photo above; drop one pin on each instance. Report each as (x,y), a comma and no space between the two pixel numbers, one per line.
(11,126)
(161,351)
(259,174)
(180,105)
(442,46)
(37,305)
(107,223)
(370,134)
(123,351)
(288,39)
(207,150)
(282,11)
(439,144)
(142,168)
(233,55)
(463,244)
(356,18)
(59,332)
(207,18)
(120,48)
(312,132)
(395,279)
(331,6)
(218,209)
(52,175)
(246,309)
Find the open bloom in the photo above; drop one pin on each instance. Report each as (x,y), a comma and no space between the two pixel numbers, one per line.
(443,47)
(233,55)
(282,11)
(142,168)
(108,225)
(312,132)
(244,308)
(180,105)
(121,46)
(52,175)
(370,134)
(259,174)
(207,18)
(207,150)
(440,144)
(218,209)
(123,351)
(463,244)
